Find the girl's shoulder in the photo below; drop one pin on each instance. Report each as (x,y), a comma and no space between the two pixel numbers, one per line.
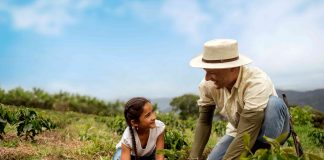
(159,123)
(160,126)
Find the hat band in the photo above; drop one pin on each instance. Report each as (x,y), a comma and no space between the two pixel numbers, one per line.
(220,61)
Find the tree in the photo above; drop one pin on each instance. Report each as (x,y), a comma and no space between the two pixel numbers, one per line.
(186,105)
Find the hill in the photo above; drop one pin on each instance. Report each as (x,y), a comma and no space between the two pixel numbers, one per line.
(314,98)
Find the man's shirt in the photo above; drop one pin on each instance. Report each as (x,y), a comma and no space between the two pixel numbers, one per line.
(251,91)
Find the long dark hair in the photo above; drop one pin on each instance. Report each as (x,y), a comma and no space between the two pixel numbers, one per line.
(133,111)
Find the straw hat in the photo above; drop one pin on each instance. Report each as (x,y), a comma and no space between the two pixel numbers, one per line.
(220,53)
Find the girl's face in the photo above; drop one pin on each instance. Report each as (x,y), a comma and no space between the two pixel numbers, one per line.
(147,118)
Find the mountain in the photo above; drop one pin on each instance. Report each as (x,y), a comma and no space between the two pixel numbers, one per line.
(314,98)
(163,104)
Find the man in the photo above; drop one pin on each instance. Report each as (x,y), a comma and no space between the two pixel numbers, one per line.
(245,96)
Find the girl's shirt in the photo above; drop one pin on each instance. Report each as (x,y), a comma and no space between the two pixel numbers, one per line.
(151,142)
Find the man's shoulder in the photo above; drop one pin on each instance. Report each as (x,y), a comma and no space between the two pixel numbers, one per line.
(253,69)
(254,73)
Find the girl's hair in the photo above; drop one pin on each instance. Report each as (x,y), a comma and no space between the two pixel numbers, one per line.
(133,111)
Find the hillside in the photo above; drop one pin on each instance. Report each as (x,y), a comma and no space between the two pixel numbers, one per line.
(314,98)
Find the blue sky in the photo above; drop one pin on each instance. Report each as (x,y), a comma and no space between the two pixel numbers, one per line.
(120,49)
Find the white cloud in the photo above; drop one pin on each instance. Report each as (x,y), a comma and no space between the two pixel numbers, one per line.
(285,38)
(47,17)
(187,18)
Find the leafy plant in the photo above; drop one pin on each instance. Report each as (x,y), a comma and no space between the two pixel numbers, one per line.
(302,115)
(276,152)
(186,105)
(317,136)
(30,124)
(174,144)
(27,121)
(220,127)
(117,124)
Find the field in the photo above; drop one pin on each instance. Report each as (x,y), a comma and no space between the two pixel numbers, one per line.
(87,136)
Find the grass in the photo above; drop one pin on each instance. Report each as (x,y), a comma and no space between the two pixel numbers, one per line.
(81,136)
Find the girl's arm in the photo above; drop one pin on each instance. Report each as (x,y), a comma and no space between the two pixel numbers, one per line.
(126,153)
(160,146)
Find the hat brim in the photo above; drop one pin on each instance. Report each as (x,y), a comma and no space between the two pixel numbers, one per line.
(198,63)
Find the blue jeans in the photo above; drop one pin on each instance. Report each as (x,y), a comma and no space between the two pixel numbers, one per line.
(275,123)
(117,155)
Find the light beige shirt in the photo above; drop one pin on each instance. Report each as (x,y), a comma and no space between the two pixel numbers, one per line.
(251,92)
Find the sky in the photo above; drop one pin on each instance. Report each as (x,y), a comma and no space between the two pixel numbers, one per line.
(117,49)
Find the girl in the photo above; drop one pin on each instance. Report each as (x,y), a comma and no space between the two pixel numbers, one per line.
(144,134)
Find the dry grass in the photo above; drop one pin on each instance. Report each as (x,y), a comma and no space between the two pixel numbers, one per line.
(23,151)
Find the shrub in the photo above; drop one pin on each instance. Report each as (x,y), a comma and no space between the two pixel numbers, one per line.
(175,143)
(29,124)
(117,124)
(302,115)
(317,136)
(220,127)
(275,152)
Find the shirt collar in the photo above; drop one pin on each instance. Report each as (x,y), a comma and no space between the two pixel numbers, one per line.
(239,78)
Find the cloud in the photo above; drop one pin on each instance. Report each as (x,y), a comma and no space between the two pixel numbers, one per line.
(187,18)
(47,17)
(282,37)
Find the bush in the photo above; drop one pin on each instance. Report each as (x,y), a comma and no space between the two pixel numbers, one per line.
(317,136)
(117,124)
(220,127)
(171,120)
(302,115)
(29,124)
(175,142)
(275,152)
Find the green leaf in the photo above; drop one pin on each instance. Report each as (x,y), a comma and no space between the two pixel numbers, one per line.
(314,157)
(2,120)
(246,139)
(28,127)
(282,137)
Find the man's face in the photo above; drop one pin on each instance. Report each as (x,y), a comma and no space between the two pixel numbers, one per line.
(220,77)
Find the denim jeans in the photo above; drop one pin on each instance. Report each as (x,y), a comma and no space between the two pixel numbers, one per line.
(275,123)
(117,155)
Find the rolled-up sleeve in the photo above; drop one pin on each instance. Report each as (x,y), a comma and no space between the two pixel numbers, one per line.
(205,98)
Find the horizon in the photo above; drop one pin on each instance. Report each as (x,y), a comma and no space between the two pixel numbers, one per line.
(151,98)
(121,49)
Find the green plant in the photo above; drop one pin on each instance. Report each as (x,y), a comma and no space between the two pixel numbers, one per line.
(117,124)
(317,136)
(174,144)
(220,127)
(302,115)
(30,124)
(6,117)
(27,121)
(186,105)
(276,152)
